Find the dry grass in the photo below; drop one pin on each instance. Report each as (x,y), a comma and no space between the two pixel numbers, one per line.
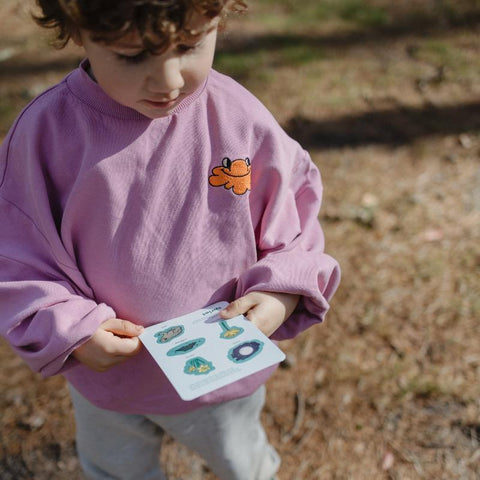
(388,387)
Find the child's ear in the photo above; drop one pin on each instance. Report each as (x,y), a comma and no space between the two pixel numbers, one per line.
(76,37)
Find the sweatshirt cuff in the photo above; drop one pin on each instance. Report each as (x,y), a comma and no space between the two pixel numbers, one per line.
(315,287)
(77,334)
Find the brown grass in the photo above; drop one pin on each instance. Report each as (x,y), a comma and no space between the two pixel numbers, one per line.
(388,387)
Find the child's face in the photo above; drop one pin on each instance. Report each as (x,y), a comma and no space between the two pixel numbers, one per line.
(152,84)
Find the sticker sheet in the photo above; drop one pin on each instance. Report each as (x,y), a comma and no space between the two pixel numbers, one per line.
(200,352)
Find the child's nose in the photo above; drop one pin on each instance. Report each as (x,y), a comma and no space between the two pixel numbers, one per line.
(165,76)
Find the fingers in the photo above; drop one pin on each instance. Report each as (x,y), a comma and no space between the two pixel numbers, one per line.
(263,319)
(256,312)
(266,310)
(253,307)
(123,346)
(113,342)
(240,306)
(122,328)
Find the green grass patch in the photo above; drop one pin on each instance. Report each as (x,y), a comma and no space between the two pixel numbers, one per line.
(243,65)
(9,109)
(361,14)
(438,52)
(259,61)
(295,55)
(290,14)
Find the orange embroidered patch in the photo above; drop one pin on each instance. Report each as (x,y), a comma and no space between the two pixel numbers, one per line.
(232,174)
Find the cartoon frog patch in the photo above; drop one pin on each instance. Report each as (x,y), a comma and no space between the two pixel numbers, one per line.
(232,174)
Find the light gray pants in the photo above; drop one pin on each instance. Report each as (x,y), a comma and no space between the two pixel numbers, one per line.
(229,436)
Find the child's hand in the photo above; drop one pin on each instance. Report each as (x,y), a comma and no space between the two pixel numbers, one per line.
(266,310)
(113,343)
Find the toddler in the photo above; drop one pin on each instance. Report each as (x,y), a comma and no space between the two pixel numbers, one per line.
(142,187)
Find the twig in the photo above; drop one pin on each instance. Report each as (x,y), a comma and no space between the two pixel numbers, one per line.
(305,438)
(299,415)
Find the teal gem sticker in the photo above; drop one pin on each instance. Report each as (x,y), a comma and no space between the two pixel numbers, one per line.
(186,347)
(229,332)
(198,366)
(167,335)
(245,351)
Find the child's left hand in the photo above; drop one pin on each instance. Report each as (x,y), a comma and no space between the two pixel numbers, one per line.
(266,310)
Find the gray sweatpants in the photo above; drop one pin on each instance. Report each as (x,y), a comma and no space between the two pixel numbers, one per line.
(229,436)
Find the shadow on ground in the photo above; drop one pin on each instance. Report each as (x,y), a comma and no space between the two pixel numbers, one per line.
(393,127)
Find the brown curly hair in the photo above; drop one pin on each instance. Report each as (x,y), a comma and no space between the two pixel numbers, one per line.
(158,22)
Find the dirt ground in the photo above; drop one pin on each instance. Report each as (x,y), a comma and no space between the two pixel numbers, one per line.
(388,387)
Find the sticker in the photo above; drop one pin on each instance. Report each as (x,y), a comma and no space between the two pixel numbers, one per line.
(169,334)
(186,347)
(229,332)
(245,351)
(206,355)
(198,366)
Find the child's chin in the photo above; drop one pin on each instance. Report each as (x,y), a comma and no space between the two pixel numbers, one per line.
(155,111)
(155,116)
(146,112)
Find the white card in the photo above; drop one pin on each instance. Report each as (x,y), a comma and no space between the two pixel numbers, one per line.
(200,352)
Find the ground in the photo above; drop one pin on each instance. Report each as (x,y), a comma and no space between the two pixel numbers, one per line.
(386,98)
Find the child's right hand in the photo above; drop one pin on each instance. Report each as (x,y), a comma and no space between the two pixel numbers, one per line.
(114,342)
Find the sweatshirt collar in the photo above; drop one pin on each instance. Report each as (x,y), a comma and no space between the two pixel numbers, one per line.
(89,92)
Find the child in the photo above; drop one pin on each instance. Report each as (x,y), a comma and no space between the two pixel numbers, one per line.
(142,187)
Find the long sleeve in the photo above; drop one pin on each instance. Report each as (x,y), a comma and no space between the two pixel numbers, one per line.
(289,238)
(43,314)
(46,307)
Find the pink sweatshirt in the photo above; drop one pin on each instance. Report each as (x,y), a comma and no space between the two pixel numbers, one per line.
(105,213)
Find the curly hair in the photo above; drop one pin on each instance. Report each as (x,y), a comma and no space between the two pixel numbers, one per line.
(158,22)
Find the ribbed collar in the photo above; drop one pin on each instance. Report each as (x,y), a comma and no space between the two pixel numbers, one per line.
(90,93)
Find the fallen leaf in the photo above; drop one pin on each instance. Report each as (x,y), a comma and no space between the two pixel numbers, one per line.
(388,461)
